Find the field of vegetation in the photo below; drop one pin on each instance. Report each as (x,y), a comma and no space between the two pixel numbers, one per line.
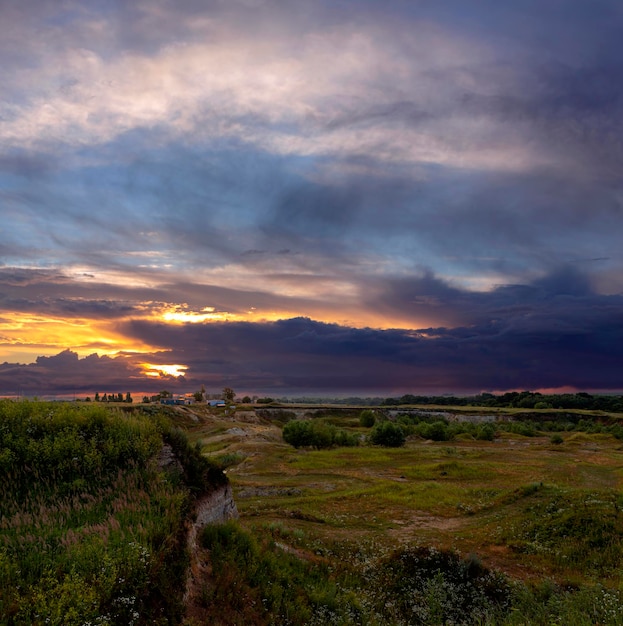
(513,522)
(91,528)
(345,518)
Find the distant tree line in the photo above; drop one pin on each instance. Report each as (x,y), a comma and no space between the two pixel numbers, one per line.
(516,399)
(112,397)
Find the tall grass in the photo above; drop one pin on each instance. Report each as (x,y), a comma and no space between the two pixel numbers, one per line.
(570,530)
(91,530)
(271,575)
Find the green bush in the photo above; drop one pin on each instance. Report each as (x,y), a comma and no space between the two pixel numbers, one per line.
(367,418)
(526,429)
(437,431)
(316,434)
(387,434)
(485,432)
(429,586)
(542,405)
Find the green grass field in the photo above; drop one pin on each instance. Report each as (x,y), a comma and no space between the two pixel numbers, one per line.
(546,516)
(521,529)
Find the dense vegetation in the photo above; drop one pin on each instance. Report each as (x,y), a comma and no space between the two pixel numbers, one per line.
(91,530)
(277,586)
(513,399)
(316,434)
(395,531)
(320,433)
(271,575)
(439,428)
(522,400)
(388,434)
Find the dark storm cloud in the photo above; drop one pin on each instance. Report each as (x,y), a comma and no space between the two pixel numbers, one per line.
(49,292)
(575,115)
(20,277)
(68,308)
(67,373)
(473,222)
(562,298)
(552,333)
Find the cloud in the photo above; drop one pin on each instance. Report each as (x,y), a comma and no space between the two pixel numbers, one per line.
(426,165)
(204,131)
(553,332)
(66,373)
(530,336)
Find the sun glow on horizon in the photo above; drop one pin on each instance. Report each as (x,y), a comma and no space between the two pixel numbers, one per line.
(158,371)
(27,336)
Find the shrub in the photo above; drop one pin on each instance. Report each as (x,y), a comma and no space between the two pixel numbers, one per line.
(437,431)
(486,432)
(367,418)
(526,429)
(542,405)
(387,434)
(345,440)
(314,434)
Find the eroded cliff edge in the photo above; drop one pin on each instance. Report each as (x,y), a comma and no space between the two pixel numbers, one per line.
(214,504)
(216,507)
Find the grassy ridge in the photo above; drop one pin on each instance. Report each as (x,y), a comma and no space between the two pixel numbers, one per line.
(91,530)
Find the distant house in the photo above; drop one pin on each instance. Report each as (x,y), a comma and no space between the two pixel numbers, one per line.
(218,403)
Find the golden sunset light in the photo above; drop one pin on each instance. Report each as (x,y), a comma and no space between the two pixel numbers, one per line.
(158,371)
(181,315)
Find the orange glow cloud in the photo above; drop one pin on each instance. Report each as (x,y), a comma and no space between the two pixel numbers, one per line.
(24,336)
(30,336)
(180,314)
(156,371)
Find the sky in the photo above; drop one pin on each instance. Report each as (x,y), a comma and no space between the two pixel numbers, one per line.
(293,197)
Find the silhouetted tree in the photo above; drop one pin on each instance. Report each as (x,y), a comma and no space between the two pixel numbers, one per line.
(228,395)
